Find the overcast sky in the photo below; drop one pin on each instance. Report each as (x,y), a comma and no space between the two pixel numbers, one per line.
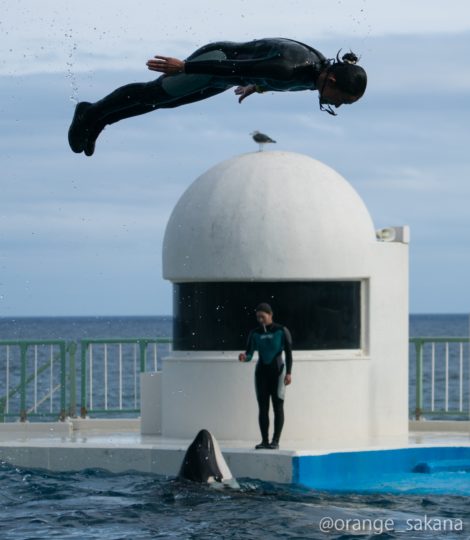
(82,236)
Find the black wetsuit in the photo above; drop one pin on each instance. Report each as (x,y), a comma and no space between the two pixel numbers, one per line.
(270,371)
(277,64)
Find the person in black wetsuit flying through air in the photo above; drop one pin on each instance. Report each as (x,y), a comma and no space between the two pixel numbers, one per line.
(272,374)
(260,65)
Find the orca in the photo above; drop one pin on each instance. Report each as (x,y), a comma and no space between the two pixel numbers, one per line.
(204,463)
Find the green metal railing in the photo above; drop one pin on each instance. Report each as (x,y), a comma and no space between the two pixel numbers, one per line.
(37,373)
(450,367)
(25,389)
(138,364)
(23,378)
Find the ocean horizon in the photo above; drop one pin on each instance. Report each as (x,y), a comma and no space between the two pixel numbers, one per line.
(75,327)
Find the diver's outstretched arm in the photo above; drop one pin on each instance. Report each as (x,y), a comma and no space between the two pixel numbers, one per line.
(169,65)
(222,68)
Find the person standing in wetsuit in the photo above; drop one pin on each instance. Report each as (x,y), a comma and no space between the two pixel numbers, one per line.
(272,374)
(260,65)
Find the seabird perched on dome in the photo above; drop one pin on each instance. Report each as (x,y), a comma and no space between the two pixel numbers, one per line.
(261,139)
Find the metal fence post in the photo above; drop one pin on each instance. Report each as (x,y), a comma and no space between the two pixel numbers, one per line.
(63,381)
(72,409)
(419,379)
(23,349)
(143,355)
(83,374)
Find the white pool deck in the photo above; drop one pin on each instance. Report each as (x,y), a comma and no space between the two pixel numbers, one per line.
(118,446)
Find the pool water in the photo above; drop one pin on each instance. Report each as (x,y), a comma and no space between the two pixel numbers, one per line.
(94,504)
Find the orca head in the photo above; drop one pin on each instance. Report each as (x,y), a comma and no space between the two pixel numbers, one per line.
(199,463)
(204,463)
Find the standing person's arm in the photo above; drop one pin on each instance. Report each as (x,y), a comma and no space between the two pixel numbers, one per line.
(250,349)
(288,352)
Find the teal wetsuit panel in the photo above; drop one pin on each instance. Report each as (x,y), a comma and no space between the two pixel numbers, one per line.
(270,342)
(269,345)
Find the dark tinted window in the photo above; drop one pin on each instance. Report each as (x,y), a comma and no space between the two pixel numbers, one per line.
(219,315)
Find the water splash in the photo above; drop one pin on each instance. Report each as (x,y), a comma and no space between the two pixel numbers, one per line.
(72,47)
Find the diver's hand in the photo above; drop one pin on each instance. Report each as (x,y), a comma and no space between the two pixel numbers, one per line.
(287,379)
(166,64)
(244,91)
(242,357)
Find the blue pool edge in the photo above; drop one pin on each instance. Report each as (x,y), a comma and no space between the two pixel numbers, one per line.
(385,471)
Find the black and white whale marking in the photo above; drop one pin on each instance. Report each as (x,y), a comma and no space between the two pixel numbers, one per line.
(204,462)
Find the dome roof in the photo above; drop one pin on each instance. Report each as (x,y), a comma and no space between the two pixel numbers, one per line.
(267,215)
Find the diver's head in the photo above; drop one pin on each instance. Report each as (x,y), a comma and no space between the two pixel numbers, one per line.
(341,82)
(264,313)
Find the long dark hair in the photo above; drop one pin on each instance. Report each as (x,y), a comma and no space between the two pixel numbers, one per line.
(350,78)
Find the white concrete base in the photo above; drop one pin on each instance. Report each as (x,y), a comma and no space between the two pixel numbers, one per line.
(151,402)
(36,429)
(440,425)
(120,451)
(327,404)
(165,461)
(106,425)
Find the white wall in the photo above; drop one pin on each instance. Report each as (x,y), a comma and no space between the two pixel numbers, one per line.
(325,402)
(337,398)
(389,316)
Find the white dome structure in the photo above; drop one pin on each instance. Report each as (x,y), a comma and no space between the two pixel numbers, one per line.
(284,228)
(266,215)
